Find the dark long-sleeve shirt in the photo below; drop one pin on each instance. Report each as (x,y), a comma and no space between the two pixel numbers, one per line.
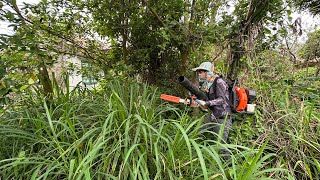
(218,97)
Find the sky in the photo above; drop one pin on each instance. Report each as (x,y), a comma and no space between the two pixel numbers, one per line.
(309,23)
(4,29)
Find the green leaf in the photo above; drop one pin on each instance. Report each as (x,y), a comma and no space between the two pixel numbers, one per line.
(3,91)
(289,12)
(24,87)
(201,159)
(31,81)
(267,31)
(72,162)
(22,154)
(2,72)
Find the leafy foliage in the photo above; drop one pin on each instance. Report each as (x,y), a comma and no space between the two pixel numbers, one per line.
(311,49)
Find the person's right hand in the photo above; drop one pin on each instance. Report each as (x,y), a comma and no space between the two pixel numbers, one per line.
(200,102)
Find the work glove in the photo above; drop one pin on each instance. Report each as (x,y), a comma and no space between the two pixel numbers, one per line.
(200,102)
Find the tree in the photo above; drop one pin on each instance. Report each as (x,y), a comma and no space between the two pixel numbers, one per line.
(250,27)
(186,23)
(311,51)
(155,34)
(45,31)
(155,38)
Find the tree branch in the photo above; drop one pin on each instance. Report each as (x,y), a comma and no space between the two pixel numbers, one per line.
(14,6)
(160,20)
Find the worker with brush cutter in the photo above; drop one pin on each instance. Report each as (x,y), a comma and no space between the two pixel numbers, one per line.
(220,95)
(216,89)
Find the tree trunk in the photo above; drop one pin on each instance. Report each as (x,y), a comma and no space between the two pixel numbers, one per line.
(152,75)
(236,52)
(184,59)
(124,34)
(124,46)
(105,71)
(237,46)
(45,82)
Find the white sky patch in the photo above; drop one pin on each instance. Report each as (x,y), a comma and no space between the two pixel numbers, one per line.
(4,29)
(309,24)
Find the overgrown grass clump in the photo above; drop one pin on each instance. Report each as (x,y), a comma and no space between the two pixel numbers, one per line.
(289,114)
(122,132)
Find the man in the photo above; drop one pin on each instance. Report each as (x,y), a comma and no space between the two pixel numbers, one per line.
(217,91)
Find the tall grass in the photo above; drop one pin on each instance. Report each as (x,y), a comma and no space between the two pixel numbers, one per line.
(123,132)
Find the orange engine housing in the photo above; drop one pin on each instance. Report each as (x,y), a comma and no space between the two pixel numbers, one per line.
(243,98)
